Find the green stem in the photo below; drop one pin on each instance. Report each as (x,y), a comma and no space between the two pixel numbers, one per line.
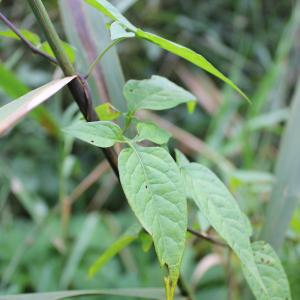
(128,120)
(100,56)
(78,86)
(52,37)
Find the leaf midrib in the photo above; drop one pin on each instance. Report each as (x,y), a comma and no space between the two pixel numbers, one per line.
(148,186)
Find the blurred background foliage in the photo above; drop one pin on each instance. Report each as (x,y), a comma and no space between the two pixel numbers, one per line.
(61,206)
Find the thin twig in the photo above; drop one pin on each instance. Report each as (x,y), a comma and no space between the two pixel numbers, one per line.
(206,237)
(34,49)
(100,56)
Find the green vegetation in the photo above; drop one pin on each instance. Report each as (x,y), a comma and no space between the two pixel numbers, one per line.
(99,196)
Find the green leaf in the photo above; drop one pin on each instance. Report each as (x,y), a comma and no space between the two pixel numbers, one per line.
(102,134)
(156,93)
(181,159)
(146,241)
(154,189)
(117,31)
(146,293)
(110,11)
(127,238)
(189,55)
(113,77)
(181,51)
(14,111)
(221,210)
(271,272)
(107,112)
(35,40)
(150,131)
(69,50)
(30,36)
(14,88)
(286,190)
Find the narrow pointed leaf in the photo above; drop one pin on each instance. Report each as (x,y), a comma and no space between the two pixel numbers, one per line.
(197,59)
(223,213)
(12,87)
(156,93)
(188,54)
(271,272)
(150,131)
(14,111)
(110,11)
(117,31)
(286,189)
(153,186)
(101,133)
(127,238)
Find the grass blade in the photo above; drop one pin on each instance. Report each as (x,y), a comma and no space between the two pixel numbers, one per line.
(286,190)
(12,112)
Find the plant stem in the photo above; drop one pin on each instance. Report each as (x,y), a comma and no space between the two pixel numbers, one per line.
(100,56)
(206,237)
(35,50)
(51,35)
(78,86)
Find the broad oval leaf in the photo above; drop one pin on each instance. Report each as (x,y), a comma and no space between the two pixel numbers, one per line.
(189,55)
(271,272)
(110,11)
(156,93)
(154,189)
(117,31)
(102,134)
(150,131)
(223,213)
(12,112)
